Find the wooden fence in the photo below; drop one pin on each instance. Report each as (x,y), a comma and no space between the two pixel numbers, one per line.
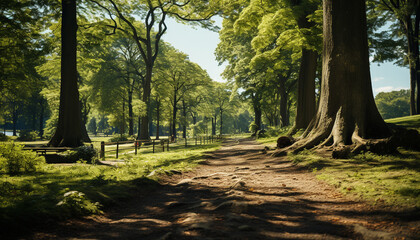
(155,144)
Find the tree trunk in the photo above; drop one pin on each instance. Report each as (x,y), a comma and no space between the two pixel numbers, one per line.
(130,114)
(258,113)
(70,131)
(184,120)
(157,118)
(305,109)
(41,117)
(213,125)
(283,102)
(221,121)
(347,115)
(14,119)
(174,110)
(144,131)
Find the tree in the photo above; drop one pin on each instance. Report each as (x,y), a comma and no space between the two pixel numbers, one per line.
(70,132)
(393,104)
(405,16)
(154,13)
(347,118)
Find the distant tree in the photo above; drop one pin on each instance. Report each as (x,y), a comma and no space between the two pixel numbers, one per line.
(400,41)
(393,104)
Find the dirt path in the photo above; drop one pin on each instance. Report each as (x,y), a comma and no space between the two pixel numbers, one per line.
(239,193)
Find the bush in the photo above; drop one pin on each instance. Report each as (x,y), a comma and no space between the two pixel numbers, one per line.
(118,138)
(27,135)
(14,160)
(76,204)
(85,153)
(3,137)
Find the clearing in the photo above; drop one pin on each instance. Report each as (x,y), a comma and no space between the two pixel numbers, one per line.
(240,193)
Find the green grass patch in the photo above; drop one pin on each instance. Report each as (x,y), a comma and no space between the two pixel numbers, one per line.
(59,191)
(412,122)
(393,180)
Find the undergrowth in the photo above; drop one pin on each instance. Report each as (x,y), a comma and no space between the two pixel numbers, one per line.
(391,179)
(57,192)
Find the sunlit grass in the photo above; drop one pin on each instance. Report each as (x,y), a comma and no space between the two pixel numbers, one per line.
(408,122)
(393,180)
(31,198)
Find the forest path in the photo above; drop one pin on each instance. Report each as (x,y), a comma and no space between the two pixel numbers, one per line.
(239,193)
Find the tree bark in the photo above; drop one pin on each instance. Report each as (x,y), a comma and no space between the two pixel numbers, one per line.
(157,118)
(283,102)
(184,122)
(305,109)
(70,131)
(221,121)
(130,114)
(347,117)
(144,130)
(41,117)
(174,110)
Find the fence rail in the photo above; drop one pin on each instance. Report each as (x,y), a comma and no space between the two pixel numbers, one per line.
(155,143)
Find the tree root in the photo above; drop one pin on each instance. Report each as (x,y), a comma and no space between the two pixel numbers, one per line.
(401,137)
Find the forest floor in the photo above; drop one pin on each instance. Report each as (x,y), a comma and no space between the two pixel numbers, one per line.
(240,193)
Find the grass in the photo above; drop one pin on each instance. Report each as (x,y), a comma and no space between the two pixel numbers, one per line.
(393,180)
(31,199)
(412,122)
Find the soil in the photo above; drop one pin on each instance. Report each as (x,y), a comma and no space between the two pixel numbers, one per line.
(241,193)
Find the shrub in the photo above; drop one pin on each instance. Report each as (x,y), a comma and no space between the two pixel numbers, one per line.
(76,203)
(14,160)
(85,153)
(3,137)
(118,138)
(27,135)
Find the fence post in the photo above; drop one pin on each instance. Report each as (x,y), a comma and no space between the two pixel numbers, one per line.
(185,141)
(117,150)
(135,147)
(102,154)
(167,147)
(153,143)
(196,140)
(163,145)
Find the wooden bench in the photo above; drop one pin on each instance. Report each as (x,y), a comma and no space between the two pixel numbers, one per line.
(45,150)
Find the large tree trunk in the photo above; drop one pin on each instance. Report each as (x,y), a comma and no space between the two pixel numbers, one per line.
(305,109)
(213,129)
(347,116)
(70,131)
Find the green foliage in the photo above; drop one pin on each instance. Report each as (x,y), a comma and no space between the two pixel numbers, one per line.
(393,104)
(14,160)
(3,137)
(83,153)
(28,135)
(118,138)
(76,204)
(91,127)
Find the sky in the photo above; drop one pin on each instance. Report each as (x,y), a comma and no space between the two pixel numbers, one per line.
(200,45)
